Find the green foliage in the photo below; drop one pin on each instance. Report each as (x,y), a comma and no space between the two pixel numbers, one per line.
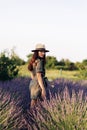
(16,59)
(83,73)
(71,66)
(51,62)
(8,68)
(84,62)
(64,64)
(61,62)
(82,70)
(80,66)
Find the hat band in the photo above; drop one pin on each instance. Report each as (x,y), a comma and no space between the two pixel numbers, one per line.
(40,49)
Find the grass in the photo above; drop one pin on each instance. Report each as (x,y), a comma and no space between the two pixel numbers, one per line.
(23,71)
(51,73)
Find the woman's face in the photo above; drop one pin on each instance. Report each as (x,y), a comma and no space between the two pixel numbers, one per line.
(41,53)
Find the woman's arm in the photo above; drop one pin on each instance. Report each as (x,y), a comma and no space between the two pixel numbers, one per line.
(40,81)
(32,75)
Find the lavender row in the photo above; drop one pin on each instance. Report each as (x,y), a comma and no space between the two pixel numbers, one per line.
(64,109)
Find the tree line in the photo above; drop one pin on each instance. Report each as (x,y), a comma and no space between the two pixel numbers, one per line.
(9,65)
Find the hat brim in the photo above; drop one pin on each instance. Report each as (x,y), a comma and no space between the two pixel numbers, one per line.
(40,49)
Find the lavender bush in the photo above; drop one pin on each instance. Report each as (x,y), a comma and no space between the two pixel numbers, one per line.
(65,107)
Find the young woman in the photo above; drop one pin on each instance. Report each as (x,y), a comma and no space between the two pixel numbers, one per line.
(36,66)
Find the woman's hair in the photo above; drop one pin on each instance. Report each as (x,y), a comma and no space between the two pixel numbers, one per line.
(33,59)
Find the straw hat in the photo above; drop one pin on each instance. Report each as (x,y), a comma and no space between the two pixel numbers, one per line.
(40,47)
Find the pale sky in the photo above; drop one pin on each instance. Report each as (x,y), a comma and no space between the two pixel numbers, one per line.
(59,24)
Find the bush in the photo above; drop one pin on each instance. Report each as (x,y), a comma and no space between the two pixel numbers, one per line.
(83,73)
(51,62)
(8,69)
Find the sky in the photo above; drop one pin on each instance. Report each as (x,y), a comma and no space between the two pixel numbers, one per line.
(59,24)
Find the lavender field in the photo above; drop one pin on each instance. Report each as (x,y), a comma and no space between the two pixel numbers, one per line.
(64,109)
